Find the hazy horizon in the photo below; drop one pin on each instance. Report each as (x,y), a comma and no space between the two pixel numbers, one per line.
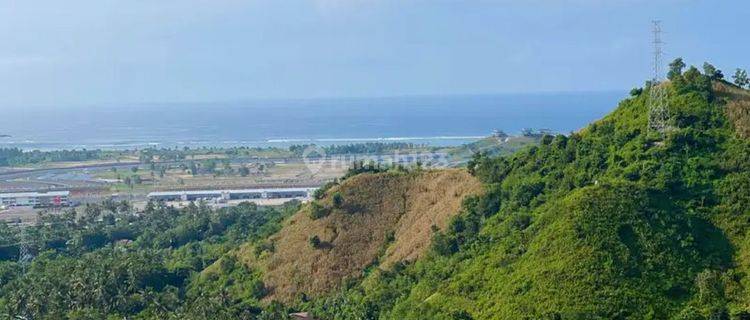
(254,102)
(87,52)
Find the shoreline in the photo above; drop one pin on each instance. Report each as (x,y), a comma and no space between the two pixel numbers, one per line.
(281,143)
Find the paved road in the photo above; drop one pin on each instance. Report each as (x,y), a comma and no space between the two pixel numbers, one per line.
(23,173)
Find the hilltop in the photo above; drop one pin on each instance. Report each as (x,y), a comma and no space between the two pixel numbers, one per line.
(371,220)
(613,221)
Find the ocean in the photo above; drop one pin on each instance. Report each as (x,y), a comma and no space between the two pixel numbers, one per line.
(430,120)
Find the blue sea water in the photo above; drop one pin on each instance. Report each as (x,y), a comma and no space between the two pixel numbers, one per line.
(432,120)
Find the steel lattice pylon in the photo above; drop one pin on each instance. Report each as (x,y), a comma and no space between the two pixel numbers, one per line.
(658,114)
(25,254)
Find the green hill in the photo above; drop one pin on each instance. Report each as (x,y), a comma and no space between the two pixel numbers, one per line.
(611,222)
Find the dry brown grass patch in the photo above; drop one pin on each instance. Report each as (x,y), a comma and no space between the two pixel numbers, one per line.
(738,112)
(738,106)
(356,235)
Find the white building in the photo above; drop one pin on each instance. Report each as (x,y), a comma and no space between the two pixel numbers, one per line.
(35,199)
(271,193)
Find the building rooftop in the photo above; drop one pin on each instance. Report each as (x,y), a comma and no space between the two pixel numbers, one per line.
(219,192)
(35,194)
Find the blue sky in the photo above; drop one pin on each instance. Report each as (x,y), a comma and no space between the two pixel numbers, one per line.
(92,52)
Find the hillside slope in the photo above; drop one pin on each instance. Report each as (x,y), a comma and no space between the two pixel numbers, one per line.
(738,106)
(614,221)
(381,219)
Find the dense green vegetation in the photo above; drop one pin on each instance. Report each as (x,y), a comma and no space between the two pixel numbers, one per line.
(17,157)
(112,263)
(361,148)
(613,221)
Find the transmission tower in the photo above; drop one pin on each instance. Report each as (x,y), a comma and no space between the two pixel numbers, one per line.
(25,254)
(658,115)
(658,43)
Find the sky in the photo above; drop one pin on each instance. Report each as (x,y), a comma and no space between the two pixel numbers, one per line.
(91,52)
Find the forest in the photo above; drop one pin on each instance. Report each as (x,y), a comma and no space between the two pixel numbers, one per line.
(111,263)
(15,156)
(18,157)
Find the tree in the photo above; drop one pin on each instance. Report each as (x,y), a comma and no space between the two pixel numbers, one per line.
(675,68)
(740,78)
(146,156)
(227,167)
(317,211)
(244,171)
(91,213)
(123,206)
(193,168)
(110,205)
(711,71)
(338,200)
(210,166)
(314,241)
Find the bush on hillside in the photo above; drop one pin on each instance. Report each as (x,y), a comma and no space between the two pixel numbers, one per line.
(318,211)
(314,241)
(320,193)
(337,199)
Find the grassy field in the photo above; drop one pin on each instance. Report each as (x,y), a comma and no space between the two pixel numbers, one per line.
(292,173)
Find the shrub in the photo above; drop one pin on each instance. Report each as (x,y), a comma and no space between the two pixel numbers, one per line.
(265,246)
(338,200)
(314,241)
(320,193)
(318,211)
